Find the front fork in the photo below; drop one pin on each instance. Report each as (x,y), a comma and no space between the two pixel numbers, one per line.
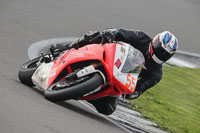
(89,70)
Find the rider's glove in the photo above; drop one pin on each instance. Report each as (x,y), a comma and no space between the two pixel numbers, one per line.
(109,35)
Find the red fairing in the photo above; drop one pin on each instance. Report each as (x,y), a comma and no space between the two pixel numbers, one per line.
(89,52)
(115,88)
(108,65)
(106,55)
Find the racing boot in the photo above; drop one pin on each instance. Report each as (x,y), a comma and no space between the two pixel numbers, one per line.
(133,95)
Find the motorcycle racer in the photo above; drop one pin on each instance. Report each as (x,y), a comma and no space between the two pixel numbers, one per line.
(155,50)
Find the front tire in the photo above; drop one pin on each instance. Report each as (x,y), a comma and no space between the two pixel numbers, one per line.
(75,91)
(26,71)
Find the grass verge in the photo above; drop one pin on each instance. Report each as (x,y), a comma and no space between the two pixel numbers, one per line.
(174,103)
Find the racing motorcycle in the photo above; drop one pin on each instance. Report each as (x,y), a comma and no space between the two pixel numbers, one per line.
(88,73)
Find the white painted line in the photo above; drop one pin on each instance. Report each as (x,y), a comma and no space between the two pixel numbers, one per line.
(181,63)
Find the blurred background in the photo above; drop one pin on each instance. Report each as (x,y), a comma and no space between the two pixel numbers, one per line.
(23,22)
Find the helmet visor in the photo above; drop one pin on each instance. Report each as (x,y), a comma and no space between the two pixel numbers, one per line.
(160,52)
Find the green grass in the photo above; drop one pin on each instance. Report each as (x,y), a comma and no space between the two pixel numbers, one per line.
(174,103)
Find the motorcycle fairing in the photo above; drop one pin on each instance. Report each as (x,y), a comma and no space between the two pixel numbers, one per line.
(119,82)
(113,56)
(124,80)
(46,73)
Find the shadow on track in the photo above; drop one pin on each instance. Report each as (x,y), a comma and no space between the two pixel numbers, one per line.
(81,110)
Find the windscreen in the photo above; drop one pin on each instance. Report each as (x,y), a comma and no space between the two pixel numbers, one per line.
(134,61)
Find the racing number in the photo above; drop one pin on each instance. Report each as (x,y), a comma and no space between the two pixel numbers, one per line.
(130,82)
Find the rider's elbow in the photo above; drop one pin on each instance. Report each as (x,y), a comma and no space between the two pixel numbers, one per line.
(157,77)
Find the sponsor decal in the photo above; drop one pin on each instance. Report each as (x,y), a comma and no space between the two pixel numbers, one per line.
(123,50)
(118,63)
(122,58)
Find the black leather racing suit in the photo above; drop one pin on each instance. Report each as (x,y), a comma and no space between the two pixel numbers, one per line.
(150,75)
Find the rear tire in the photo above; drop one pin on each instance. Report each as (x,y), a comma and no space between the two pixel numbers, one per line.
(26,71)
(75,91)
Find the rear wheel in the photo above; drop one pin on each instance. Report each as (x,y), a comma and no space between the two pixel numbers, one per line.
(26,71)
(73,89)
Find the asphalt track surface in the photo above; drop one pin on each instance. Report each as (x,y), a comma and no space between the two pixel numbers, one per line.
(23,22)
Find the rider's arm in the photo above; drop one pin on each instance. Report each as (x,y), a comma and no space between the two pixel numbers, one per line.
(147,81)
(133,37)
(89,38)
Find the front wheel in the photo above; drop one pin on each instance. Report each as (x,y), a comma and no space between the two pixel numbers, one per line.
(26,71)
(83,86)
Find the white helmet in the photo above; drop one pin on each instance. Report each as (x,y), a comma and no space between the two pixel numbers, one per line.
(163,47)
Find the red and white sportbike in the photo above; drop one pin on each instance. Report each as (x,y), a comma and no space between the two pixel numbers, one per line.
(91,72)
